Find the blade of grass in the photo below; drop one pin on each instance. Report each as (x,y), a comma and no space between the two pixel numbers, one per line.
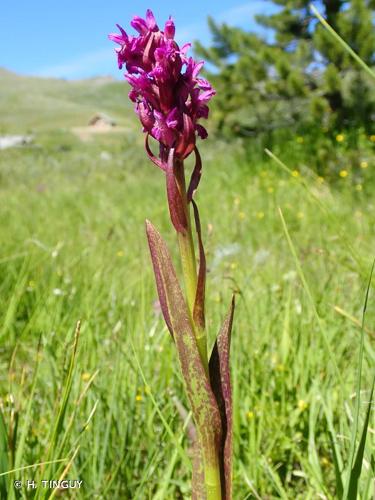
(275,479)
(65,472)
(354,469)
(325,210)
(354,320)
(31,466)
(3,456)
(159,412)
(162,491)
(27,415)
(342,42)
(310,298)
(336,455)
(58,426)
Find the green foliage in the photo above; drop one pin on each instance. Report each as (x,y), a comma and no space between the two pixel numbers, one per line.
(72,246)
(297,76)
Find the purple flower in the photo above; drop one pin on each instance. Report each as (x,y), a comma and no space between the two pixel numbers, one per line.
(169,29)
(169,96)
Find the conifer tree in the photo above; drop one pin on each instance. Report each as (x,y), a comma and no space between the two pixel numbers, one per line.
(297,75)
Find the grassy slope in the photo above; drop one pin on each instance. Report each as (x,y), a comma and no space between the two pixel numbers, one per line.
(34,104)
(72,246)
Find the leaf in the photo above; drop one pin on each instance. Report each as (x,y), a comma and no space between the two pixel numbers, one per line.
(198,486)
(201,397)
(3,456)
(220,383)
(357,466)
(354,467)
(156,258)
(336,455)
(198,490)
(198,313)
(339,484)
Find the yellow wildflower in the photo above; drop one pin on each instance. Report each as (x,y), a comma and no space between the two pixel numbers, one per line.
(138,398)
(364,164)
(343,174)
(86,376)
(234,265)
(372,138)
(302,405)
(300,140)
(340,138)
(295,173)
(260,215)
(250,415)
(120,253)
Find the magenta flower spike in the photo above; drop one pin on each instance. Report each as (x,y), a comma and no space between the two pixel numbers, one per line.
(170,99)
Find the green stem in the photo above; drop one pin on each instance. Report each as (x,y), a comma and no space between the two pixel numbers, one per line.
(188,262)
(212,476)
(212,481)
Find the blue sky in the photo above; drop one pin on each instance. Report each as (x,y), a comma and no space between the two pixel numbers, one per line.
(68,39)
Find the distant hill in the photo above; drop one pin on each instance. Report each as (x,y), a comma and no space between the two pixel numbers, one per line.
(29,104)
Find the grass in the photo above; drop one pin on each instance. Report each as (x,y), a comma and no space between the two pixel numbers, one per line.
(101,406)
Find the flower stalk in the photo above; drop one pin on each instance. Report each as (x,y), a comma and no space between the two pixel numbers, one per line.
(185,239)
(170,99)
(188,262)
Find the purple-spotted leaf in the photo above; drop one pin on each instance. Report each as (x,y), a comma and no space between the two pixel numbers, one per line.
(191,431)
(175,200)
(220,383)
(198,313)
(153,239)
(198,485)
(198,488)
(201,397)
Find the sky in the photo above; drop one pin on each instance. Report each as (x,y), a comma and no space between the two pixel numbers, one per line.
(68,39)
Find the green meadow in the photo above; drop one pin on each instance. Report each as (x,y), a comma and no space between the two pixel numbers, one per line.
(99,402)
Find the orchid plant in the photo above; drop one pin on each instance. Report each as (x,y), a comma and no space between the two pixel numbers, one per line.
(170,98)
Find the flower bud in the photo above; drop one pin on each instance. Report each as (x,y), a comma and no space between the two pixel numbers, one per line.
(169,29)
